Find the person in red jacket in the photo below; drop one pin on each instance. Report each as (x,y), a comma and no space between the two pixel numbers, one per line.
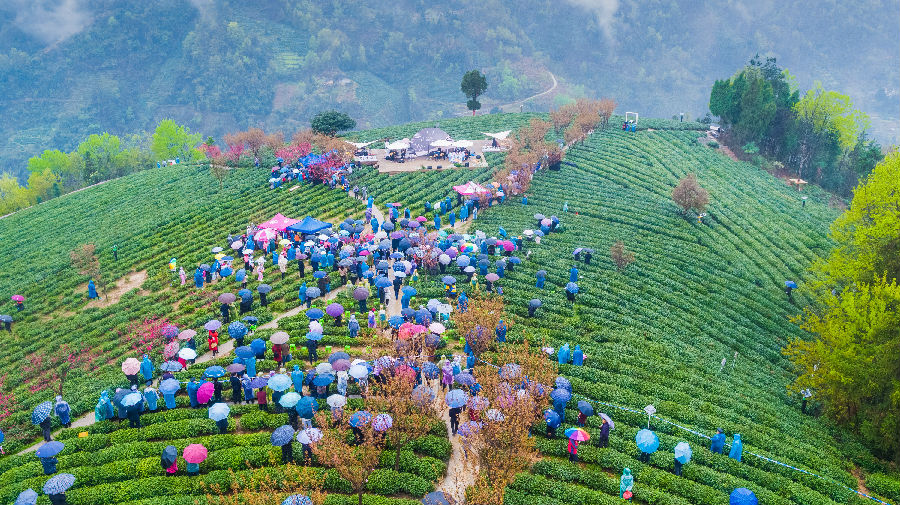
(262,399)
(213,341)
(277,350)
(573,450)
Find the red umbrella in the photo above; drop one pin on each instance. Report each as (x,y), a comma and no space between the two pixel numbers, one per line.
(203,395)
(195,453)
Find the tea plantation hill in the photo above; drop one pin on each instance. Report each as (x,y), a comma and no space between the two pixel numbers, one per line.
(654,334)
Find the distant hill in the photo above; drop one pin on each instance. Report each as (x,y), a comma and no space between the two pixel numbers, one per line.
(73,68)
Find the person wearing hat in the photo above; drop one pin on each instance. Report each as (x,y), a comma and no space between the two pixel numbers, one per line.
(717,442)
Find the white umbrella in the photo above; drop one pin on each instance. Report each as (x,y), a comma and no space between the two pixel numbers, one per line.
(336,401)
(309,436)
(358,371)
(323,368)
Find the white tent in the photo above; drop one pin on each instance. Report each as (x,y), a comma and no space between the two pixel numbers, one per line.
(359,145)
(442,143)
(462,143)
(398,145)
(498,136)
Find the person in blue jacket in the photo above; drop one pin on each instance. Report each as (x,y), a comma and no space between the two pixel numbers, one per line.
(577,356)
(353,326)
(562,355)
(49,465)
(452,217)
(152,398)
(169,399)
(92,290)
(573,274)
(717,442)
(501,331)
(302,294)
(104,408)
(297,379)
(251,366)
(63,412)
(437,222)
(540,277)
(192,388)
(737,448)
(198,278)
(147,369)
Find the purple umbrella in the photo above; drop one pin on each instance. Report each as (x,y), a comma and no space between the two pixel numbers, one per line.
(334,309)
(341,365)
(360,293)
(212,325)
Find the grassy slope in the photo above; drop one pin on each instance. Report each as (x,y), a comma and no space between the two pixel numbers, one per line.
(695,294)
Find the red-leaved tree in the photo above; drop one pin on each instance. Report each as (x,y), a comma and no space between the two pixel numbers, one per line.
(49,369)
(145,336)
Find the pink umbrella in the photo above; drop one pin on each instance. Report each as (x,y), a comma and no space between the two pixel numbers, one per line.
(410,330)
(508,246)
(265,235)
(171,349)
(203,395)
(421,219)
(194,453)
(131,366)
(364,252)
(18,298)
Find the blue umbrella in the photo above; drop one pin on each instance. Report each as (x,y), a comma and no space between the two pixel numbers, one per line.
(258,346)
(282,435)
(560,395)
(244,352)
(337,355)
(315,336)
(396,256)
(448,280)
(431,370)
(360,418)
(585,408)
(214,372)
(551,417)
(683,452)
(534,303)
(41,412)
(323,380)
(742,496)
(407,312)
(219,411)
(58,484)
(465,379)
(250,319)
(647,441)
(245,293)
(280,382)
(435,498)
(27,497)
(409,291)
(240,275)
(462,261)
(132,399)
(237,329)
(171,366)
(315,314)
(306,407)
(382,282)
(395,321)
(297,499)
(456,398)
(571,287)
(790,284)
(169,386)
(264,288)
(49,449)
(318,274)
(258,382)
(562,382)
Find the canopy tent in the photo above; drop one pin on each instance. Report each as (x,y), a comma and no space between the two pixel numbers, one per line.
(471,188)
(359,145)
(398,145)
(278,222)
(308,226)
(463,143)
(442,143)
(499,136)
(421,141)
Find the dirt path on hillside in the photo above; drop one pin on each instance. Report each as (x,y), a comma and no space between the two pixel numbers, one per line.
(125,284)
(513,105)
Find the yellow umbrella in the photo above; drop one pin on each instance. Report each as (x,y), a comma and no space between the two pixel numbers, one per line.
(219,256)
(284,241)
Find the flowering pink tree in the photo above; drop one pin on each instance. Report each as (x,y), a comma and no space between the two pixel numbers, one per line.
(7,400)
(293,152)
(234,152)
(48,369)
(212,151)
(145,336)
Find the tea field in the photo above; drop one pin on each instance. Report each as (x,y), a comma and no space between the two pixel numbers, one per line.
(657,332)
